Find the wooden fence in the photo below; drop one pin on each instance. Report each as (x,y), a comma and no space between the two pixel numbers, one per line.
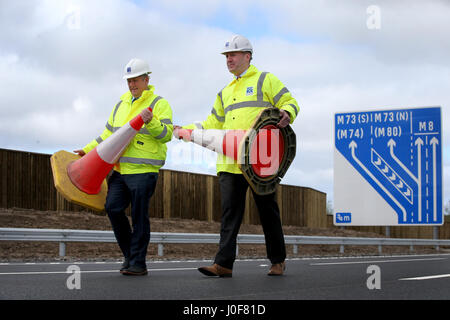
(26,181)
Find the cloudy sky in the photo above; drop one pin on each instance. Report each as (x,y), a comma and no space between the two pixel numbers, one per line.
(61,65)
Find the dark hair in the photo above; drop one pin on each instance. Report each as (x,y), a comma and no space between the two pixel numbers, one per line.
(251,55)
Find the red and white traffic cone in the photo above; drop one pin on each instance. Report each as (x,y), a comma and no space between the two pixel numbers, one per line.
(266,151)
(88,173)
(221,141)
(263,153)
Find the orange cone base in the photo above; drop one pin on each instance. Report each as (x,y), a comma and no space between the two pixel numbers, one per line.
(88,173)
(59,162)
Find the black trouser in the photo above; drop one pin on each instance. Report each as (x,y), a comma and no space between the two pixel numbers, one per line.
(136,189)
(233,188)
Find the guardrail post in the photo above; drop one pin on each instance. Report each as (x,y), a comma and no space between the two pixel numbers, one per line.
(237,250)
(411,248)
(341,249)
(295,249)
(380,250)
(160,249)
(62,249)
(436,235)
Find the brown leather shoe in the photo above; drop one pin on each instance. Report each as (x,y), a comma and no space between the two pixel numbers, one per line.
(216,271)
(277,269)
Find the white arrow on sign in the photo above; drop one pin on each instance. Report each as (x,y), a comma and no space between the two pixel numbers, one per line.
(419,144)
(434,142)
(393,177)
(353,145)
(391,144)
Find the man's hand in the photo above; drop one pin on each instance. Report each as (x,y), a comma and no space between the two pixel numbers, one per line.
(175,131)
(80,152)
(146,115)
(284,120)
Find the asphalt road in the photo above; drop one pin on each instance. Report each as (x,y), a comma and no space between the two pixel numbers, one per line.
(394,277)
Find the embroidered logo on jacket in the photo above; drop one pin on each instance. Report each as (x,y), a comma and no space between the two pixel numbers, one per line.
(249,91)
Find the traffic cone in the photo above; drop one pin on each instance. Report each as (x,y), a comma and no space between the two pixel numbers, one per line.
(88,173)
(82,180)
(263,153)
(225,142)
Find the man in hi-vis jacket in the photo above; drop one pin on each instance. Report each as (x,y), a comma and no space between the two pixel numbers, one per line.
(136,172)
(236,107)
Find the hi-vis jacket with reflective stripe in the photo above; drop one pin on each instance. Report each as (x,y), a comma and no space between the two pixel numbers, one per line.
(240,102)
(147,151)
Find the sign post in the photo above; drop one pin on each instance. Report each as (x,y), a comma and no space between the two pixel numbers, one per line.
(388,167)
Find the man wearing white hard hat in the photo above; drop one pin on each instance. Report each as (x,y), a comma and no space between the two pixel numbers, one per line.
(236,107)
(133,180)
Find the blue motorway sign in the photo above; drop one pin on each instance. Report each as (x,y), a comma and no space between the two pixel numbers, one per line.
(399,154)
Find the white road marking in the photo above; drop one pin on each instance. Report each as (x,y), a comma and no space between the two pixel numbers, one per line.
(86,271)
(373,261)
(237,260)
(428,277)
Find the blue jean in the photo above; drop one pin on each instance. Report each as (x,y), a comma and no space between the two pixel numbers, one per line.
(136,189)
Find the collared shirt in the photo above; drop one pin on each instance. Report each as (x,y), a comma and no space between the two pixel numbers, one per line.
(133,99)
(240,76)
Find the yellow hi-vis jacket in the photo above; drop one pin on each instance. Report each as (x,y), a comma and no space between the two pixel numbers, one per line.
(147,151)
(238,105)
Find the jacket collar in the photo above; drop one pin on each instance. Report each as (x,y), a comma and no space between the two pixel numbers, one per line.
(251,70)
(145,94)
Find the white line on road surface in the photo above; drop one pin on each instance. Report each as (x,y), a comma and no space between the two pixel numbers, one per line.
(428,277)
(373,261)
(86,271)
(211,260)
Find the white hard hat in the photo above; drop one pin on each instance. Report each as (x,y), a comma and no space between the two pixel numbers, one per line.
(135,68)
(237,43)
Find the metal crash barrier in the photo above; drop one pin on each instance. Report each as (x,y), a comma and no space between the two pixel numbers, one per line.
(66,235)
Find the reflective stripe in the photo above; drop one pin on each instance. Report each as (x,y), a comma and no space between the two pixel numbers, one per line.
(152,105)
(115,109)
(259,94)
(259,103)
(166,121)
(220,95)
(114,129)
(219,118)
(162,134)
(109,127)
(99,140)
(143,130)
(279,95)
(154,162)
(245,104)
(295,108)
